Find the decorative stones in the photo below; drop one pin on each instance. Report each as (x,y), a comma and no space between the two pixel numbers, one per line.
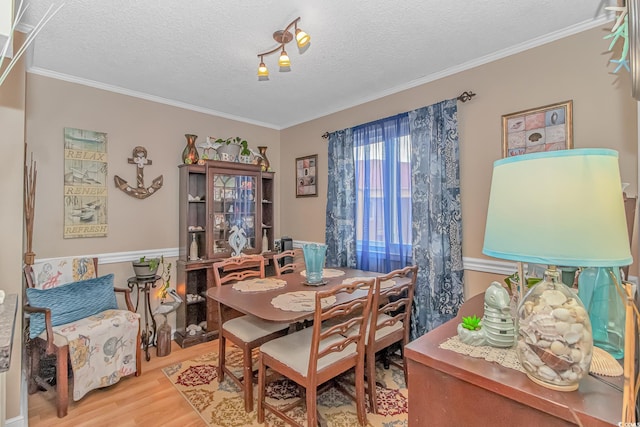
(555,342)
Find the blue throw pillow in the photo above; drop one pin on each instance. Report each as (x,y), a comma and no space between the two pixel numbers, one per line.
(71,302)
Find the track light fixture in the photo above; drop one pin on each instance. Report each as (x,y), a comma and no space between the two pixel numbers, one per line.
(283,37)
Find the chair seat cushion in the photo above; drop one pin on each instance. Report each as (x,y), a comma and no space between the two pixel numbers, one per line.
(71,302)
(381,333)
(294,350)
(61,332)
(250,328)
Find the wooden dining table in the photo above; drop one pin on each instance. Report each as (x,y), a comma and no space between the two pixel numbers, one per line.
(259,303)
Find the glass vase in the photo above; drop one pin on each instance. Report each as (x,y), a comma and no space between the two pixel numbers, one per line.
(555,344)
(314,255)
(606,308)
(190,152)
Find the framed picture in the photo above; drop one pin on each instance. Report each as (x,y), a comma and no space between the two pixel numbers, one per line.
(306,179)
(547,128)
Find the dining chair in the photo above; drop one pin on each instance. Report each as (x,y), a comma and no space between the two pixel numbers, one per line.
(247,331)
(315,355)
(389,323)
(293,261)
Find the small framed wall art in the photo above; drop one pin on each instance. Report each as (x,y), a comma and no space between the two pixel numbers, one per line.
(306,179)
(547,128)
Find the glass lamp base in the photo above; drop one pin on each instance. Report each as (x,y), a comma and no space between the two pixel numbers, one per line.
(554,335)
(556,387)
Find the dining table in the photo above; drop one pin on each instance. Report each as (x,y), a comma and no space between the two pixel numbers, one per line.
(259,303)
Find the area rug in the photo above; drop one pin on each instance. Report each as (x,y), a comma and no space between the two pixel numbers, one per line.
(221,404)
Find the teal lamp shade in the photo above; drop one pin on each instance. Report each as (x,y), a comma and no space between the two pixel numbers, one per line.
(557,208)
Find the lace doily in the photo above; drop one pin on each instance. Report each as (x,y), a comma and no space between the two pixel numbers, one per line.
(326,272)
(384,285)
(259,285)
(507,357)
(300,301)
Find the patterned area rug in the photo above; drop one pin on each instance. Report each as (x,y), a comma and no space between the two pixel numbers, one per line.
(221,404)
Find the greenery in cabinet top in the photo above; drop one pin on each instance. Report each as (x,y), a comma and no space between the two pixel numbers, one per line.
(237,141)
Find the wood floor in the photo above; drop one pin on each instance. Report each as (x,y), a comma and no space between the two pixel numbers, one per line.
(148,400)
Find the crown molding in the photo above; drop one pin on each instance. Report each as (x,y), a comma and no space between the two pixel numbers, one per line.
(530,44)
(147,97)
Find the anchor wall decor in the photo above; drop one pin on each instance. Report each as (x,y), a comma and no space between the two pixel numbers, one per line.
(139,158)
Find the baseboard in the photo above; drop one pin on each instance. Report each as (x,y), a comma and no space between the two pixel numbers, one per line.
(18,421)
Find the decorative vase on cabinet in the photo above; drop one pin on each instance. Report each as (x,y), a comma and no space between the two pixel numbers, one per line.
(265,241)
(190,153)
(193,249)
(264,162)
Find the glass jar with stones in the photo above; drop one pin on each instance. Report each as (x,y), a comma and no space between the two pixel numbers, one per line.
(555,341)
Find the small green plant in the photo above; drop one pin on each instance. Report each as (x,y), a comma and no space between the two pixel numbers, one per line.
(238,141)
(471,322)
(153,262)
(513,280)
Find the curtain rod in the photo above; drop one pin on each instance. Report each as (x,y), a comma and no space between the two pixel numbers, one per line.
(463,97)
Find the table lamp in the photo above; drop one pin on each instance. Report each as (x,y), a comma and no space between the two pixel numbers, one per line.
(557,208)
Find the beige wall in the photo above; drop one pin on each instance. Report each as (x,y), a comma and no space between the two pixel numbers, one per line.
(572,68)
(133,224)
(12,112)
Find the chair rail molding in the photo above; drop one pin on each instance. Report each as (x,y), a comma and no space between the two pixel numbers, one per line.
(473,264)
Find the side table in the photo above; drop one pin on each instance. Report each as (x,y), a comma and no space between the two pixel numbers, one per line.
(448,388)
(144,285)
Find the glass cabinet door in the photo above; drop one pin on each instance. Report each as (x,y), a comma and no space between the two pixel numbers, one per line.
(234,220)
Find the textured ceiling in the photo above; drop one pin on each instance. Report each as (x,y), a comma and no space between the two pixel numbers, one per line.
(201,54)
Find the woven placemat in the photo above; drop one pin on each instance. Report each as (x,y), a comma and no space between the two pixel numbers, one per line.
(384,285)
(507,357)
(326,272)
(259,285)
(602,363)
(300,301)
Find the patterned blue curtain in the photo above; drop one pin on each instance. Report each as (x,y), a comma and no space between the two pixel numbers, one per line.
(437,217)
(340,234)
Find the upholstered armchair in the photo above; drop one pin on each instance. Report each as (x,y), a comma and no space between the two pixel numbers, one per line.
(74,315)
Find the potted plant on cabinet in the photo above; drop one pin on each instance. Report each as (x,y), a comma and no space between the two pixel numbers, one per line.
(470,330)
(229,149)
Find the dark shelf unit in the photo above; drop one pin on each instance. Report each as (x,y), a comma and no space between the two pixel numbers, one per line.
(214,197)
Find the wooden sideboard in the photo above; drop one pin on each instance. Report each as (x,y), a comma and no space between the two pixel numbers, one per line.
(451,389)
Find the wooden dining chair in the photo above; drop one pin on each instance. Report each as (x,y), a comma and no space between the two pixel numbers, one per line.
(247,332)
(293,261)
(389,323)
(315,355)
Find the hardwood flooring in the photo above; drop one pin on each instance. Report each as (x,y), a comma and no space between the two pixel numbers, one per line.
(147,400)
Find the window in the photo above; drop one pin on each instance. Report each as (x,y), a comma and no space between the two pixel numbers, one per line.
(382,155)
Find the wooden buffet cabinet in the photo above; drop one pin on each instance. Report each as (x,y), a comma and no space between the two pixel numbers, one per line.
(451,389)
(214,197)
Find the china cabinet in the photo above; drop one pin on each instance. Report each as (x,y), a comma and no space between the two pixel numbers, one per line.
(226,208)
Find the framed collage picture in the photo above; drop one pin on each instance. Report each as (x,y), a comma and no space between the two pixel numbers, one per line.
(547,128)
(306,179)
